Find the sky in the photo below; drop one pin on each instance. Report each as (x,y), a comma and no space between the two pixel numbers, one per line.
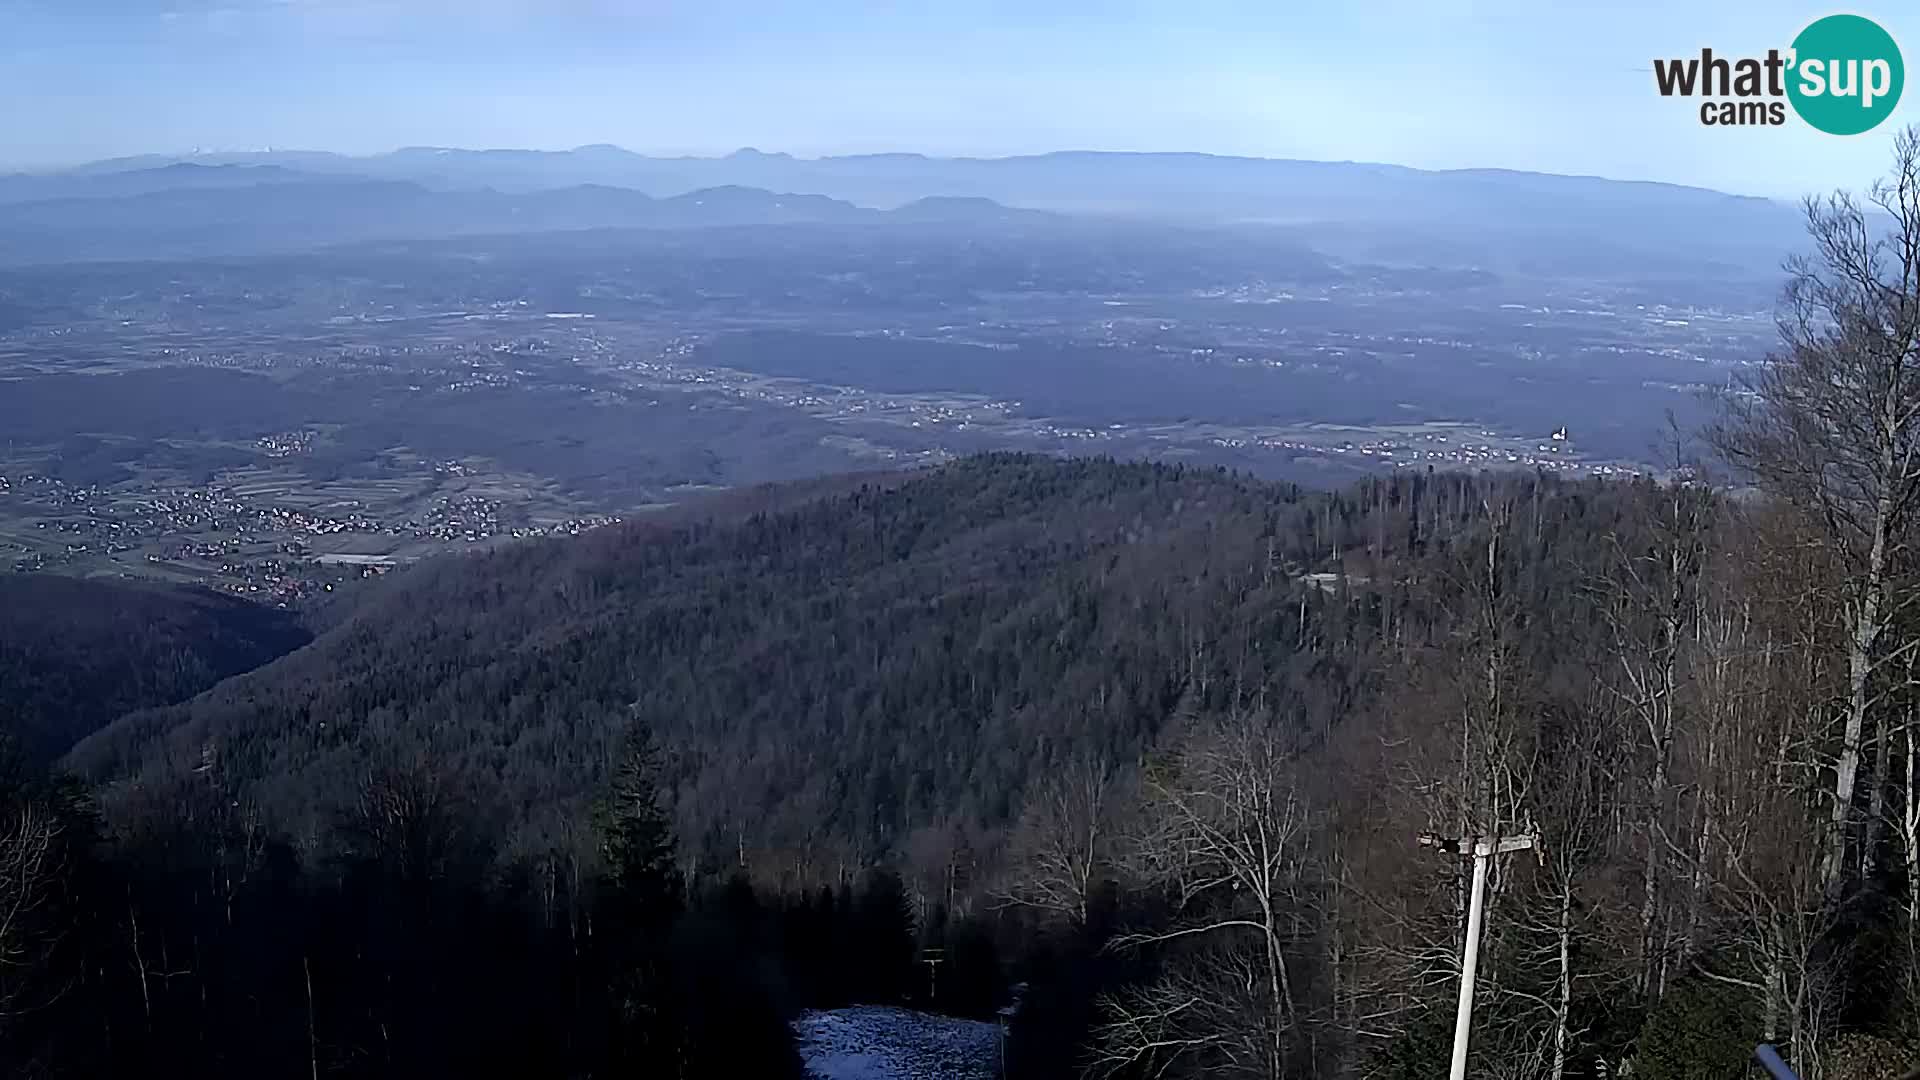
(1562,87)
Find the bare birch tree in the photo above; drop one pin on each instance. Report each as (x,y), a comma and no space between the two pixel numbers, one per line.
(1062,849)
(1757,840)
(1223,832)
(1832,426)
(1652,605)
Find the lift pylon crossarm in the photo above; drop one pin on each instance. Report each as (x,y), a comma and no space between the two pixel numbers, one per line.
(1481,846)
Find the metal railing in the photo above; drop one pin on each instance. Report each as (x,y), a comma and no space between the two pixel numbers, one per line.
(1769,1059)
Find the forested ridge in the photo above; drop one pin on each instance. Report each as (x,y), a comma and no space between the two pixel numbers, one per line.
(830,680)
(75,654)
(1181,762)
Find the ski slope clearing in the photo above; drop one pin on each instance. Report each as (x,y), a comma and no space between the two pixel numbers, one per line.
(874,1042)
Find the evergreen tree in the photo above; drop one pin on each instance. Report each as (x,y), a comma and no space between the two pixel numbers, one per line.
(884,937)
(639,899)
(636,837)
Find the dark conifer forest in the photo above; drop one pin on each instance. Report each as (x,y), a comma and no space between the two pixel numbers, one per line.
(1168,767)
(76,654)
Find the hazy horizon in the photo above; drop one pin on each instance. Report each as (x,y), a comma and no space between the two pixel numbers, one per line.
(216,152)
(1459,84)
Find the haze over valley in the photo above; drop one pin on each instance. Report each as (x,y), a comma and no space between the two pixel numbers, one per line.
(271,372)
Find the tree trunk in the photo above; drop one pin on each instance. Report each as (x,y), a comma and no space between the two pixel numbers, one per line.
(1652,949)
(1910,829)
(1702,846)
(1562,1036)
(1876,797)
(313,1039)
(1860,645)
(1276,986)
(1770,1009)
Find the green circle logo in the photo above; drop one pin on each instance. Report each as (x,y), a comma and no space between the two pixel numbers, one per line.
(1846,74)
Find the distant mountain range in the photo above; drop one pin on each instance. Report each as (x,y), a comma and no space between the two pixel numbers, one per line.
(284,199)
(1384,213)
(190,209)
(1072,180)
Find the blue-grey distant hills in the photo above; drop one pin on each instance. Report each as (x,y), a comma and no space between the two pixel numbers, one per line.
(184,211)
(1508,220)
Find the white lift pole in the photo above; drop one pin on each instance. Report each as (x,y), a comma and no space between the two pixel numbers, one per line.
(1482,849)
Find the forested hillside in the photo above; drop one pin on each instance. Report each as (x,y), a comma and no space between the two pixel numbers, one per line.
(75,654)
(871,676)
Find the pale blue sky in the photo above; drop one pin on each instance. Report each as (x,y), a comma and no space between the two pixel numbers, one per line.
(1556,87)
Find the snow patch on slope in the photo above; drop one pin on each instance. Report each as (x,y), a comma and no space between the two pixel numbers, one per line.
(874,1042)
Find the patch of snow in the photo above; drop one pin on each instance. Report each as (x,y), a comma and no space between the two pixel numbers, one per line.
(875,1042)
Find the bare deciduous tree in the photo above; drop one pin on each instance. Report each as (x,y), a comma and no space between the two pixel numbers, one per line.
(1223,832)
(1652,607)
(1756,846)
(1062,848)
(27,877)
(1832,427)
